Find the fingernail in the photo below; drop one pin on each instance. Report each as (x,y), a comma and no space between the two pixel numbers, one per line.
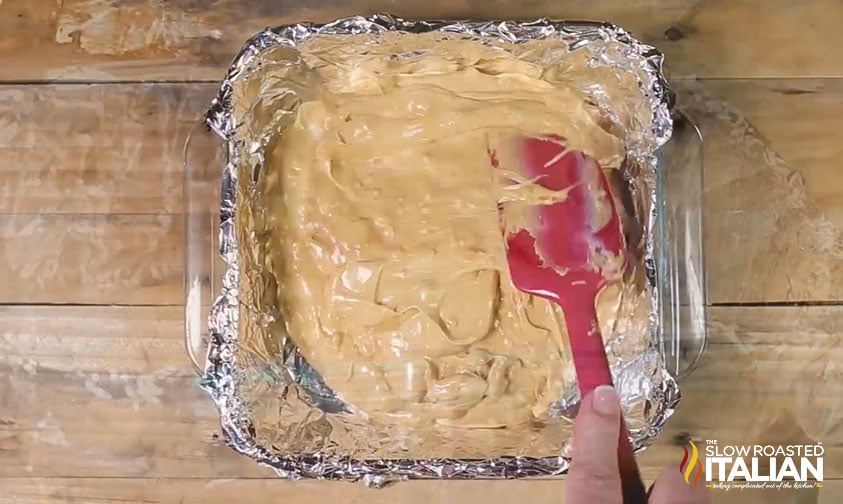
(605,400)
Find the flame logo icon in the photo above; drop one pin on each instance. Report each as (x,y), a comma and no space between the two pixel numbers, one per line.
(687,467)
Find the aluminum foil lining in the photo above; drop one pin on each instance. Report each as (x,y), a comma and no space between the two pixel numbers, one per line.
(275,408)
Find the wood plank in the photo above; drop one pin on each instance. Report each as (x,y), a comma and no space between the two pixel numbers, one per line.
(802,327)
(746,38)
(802,120)
(131,341)
(213,491)
(128,404)
(765,235)
(96,149)
(175,40)
(91,259)
(771,375)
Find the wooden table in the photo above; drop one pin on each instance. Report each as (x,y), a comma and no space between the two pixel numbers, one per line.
(97,400)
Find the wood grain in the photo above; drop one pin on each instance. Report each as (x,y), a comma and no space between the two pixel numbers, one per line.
(128,406)
(184,39)
(91,259)
(85,149)
(225,491)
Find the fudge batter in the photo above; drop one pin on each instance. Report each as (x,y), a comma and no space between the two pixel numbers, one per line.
(386,242)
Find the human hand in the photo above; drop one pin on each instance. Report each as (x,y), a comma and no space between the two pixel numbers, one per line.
(594,477)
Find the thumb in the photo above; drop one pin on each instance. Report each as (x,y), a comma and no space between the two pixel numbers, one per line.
(594,475)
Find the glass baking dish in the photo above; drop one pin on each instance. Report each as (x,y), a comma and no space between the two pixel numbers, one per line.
(679,266)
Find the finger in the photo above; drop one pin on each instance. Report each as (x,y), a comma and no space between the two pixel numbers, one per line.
(594,475)
(670,488)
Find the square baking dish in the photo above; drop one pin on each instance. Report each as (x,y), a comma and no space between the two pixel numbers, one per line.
(677,251)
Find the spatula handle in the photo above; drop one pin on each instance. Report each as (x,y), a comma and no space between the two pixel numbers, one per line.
(631,484)
(592,368)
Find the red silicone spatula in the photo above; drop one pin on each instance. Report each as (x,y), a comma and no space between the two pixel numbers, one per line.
(573,248)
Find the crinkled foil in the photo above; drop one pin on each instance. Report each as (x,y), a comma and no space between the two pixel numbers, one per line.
(273,407)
